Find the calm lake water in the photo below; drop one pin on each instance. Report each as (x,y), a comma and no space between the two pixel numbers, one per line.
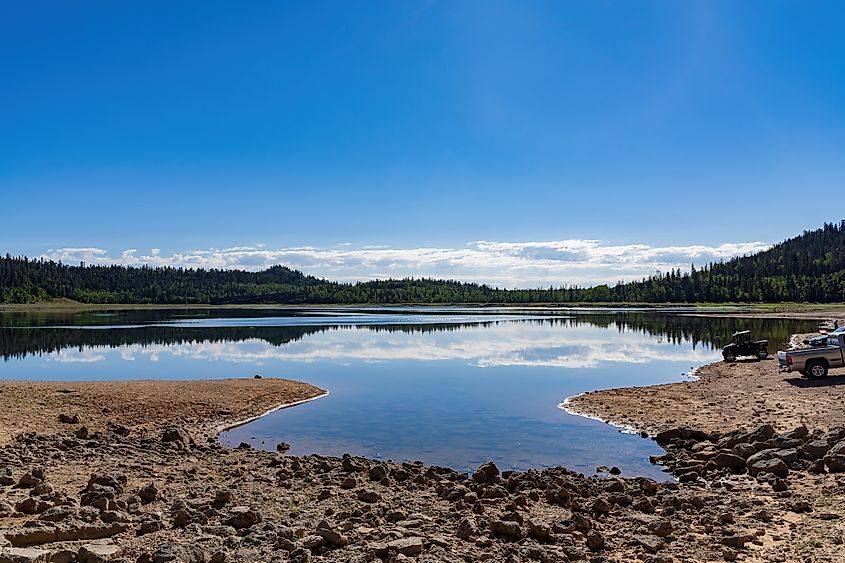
(451,387)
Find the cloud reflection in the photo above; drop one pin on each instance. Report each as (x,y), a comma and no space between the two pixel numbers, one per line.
(501,344)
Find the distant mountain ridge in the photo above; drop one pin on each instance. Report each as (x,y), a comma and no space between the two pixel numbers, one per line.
(806,268)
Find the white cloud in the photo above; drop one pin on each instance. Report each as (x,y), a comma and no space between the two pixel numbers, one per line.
(502,264)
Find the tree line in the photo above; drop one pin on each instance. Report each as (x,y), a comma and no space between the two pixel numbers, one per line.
(807,268)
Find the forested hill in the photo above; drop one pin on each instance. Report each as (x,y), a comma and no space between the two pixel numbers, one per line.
(810,267)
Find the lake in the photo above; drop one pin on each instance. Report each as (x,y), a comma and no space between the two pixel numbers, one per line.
(453,387)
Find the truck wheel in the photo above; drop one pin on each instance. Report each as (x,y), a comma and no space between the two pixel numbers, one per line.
(762,354)
(816,370)
(729,356)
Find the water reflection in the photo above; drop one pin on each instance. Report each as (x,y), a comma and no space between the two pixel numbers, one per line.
(19,340)
(512,343)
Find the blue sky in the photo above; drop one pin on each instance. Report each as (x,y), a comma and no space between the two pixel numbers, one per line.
(557,133)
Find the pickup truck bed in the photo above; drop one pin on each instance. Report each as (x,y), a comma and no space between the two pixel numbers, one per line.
(815,362)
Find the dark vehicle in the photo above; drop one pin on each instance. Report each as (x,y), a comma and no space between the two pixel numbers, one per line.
(742,345)
(821,340)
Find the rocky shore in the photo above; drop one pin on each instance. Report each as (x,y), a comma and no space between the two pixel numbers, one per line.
(89,482)
(112,496)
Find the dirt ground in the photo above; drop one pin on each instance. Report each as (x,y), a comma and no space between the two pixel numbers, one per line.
(204,405)
(723,397)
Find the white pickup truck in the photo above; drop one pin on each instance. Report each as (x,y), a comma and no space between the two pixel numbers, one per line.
(815,362)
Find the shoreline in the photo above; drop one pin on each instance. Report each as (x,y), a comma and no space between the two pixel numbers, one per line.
(739,310)
(227,427)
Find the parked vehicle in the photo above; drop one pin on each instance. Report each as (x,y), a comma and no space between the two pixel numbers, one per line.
(742,345)
(821,340)
(817,361)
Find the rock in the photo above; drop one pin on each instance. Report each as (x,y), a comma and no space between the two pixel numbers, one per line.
(652,544)
(788,455)
(63,556)
(685,433)
(729,461)
(778,485)
(41,490)
(688,476)
(834,435)
(661,527)
(368,495)
(506,528)
(744,450)
(6,509)
(331,535)
(69,418)
(595,541)
(243,517)
(172,553)
(6,476)
(485,473)
(148,493)
(466,529)
(222,498)
(82,433)
(23,555)
(835,463)
(377,473)
(313,541)
(32,506)
(774,466)
(109,516)
(58,513)
(349,464)
(119,429)
(95,553)
(150,526)
(816,449)
(798,433)
(407,546)
(41,534)
(282,447)
(538,530)
(175,434)
(32,478)
(838,448)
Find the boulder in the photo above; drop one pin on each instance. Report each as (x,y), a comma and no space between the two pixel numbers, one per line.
(377,472)
(595,541)
(175,434)
(23,555)
(816,449)
(407,546)
(69,418)
(485,473)
(332,536)
(729,461)
(243,517)
(835,463)
(838,448)
(506,528)
(96,553)
(775,466)
(368,495)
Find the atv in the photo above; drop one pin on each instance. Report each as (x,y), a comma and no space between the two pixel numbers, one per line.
(742,345)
